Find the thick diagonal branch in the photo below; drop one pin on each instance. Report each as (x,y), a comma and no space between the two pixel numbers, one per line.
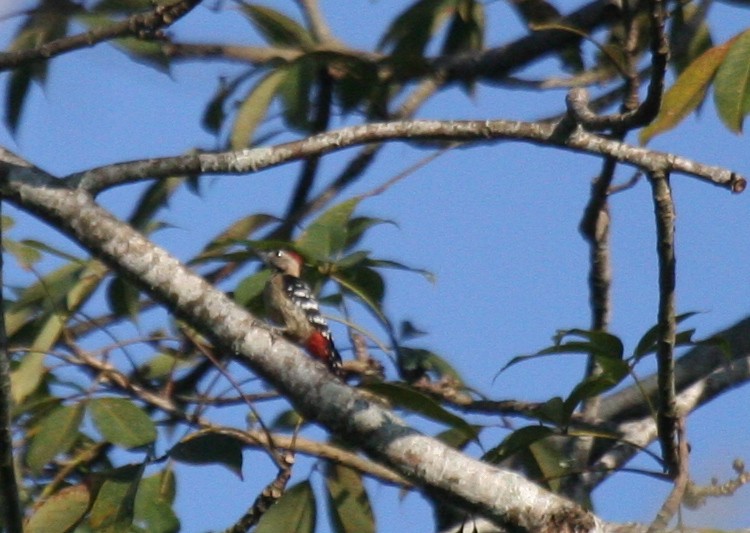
(507,498)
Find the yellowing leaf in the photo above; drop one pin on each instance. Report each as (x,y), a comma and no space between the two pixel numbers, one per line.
(687,92)
(732,86)
(61,512)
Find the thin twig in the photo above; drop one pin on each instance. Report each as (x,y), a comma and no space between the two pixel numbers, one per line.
(667,416)
(672,503)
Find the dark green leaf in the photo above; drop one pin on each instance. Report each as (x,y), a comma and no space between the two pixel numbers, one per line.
(61,512)
(294,513)
(610,377)
(413,28)
(384,263)
(296,93)
(113,507)
(688,39)
(208,447)
(405,397)
(417,361)
(466,29)
(154,198)
(276,28)
(357,227)
(647,343)
(54,434)
(348,501)
(516,441)
(123,298)
(326,236)
(732,84)
(550,462)
(365,284)
(122,422)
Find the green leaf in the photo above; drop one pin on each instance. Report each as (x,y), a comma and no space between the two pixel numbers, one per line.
(732,84)
(294,513)
(596,343)
(518,440)
(251,287)
(153,503)
(254,108)
(416,361)
(326,236)
(365,284)
(208,447)
(357,227)
(25,379)
(411,31)
(113,507)
(123,298)
(458,438)
(405,397)
(296,93)
(54,434)
(689,40)
(687,93)
(239,229)
(276,28)
(349,503)
(466,29)
(384,263)
(61,512)
(550,462)
(647,343)
(153,199)
(26,256)
(122,422)
(611,376)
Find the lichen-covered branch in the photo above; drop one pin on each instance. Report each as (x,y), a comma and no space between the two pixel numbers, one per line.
(256,159)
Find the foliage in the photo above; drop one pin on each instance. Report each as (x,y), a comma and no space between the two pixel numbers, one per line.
(104,427)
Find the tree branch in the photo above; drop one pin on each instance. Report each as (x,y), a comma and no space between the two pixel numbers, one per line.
(256,159)
(139,25)
(506,497)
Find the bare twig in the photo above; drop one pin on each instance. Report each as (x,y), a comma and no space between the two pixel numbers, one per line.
(667,416)
(672,503)
(143,25)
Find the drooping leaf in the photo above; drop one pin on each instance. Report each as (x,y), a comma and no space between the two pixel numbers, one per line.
(153,503)
(295,512)
(411,31)
(647,343)
(115,501)
(610,377)
(239,229)
(296,93)
(466,29)
(414,362)
(551,463)
(687,93)
(348,501)
(458,438)
(385,263)
(596,343)
(254,108)
(410,399)
(54,434)
(276,28)
(732,84)
(518,440)
(365,284)
(153,199)
(122,422)
(49,21)
(209,447)
(326,235)
(61,512)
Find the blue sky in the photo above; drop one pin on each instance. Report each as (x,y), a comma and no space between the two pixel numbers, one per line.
(497,224)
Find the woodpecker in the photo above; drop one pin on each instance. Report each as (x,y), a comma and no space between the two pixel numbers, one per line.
(290,303)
